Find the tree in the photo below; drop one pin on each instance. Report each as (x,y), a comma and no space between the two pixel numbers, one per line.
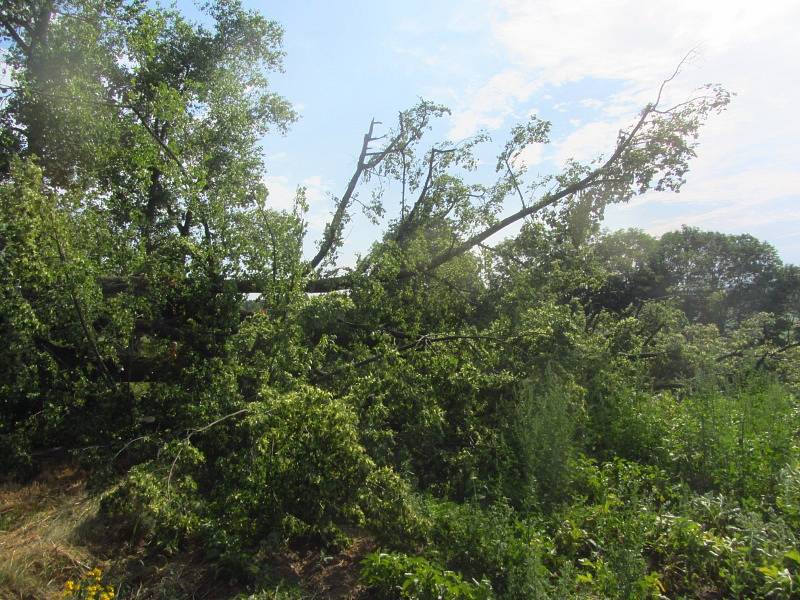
(144,127)
(652,154)
(720,278)
(131,140)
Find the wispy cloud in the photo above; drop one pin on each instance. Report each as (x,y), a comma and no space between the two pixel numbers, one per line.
(747,160)
(491,104)
(282,194)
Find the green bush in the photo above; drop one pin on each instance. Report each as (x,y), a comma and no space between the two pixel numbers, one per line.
(787,499)
(392,510)
(303,460)
(719,544)
(159,499)
(543,428)
(492,543)
(627,421)
(604,528)
(736,440)
(301,472)
(606,544)
(395,576)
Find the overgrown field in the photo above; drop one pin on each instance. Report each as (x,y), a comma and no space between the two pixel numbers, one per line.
(548,449)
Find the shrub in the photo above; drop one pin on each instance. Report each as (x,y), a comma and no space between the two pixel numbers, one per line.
(159,500)
(491,543)
(710,542)
(628,422)
(543,430)
(298,469)
(734,441)
(392,510)
(301,458)
(604,529)
(395,576)
(787,498)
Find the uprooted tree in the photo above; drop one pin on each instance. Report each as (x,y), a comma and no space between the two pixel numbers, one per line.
(153,123)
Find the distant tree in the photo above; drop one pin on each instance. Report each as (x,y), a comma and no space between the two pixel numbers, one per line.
(626,256)
(719,278)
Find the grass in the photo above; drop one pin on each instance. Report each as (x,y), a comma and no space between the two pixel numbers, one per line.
(50,532)
(41,541)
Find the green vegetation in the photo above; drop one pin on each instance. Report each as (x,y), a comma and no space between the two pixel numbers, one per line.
(568,413)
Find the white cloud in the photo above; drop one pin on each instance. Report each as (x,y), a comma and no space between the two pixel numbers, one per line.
(282,194)
(320,204)
(624,39)
(740,217)
(532,155)
(747,159)
(492,103)
(755,187)
(636,43)
(592,103)
(742,202)
(588,142)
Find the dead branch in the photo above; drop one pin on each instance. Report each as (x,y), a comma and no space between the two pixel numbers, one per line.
(366,161)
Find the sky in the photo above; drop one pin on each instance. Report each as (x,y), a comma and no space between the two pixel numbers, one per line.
(587,66)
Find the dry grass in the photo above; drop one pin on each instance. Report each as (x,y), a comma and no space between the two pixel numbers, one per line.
(50,532)
(335,576)
(41,543)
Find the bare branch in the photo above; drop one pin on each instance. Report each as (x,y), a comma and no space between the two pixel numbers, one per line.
(675,73)
(515,183)
(333,229)
(16,37)
(405,168)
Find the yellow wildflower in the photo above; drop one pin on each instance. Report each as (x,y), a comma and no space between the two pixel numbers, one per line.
(69,586)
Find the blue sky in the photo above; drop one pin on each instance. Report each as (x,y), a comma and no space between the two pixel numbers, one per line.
(586,66)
